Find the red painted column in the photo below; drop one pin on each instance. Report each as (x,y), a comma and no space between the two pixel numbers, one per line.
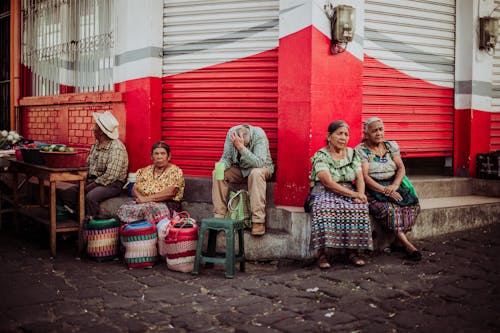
(315,88)
(143,113)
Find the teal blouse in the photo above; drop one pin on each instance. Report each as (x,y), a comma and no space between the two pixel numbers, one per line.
(343,170)
(379,167)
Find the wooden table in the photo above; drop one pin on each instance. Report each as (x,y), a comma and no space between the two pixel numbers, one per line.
(47,214)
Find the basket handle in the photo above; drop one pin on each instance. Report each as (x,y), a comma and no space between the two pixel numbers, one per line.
(230,202)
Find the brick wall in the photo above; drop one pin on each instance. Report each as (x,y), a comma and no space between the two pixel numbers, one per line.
(67,118)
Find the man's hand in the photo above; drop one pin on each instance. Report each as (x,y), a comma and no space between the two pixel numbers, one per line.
(237,141)
(89,187)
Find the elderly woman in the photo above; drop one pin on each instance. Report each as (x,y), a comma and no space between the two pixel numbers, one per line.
(339,206)
(158,189)
(392,205)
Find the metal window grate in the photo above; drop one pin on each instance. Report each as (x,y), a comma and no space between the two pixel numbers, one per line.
(67,46)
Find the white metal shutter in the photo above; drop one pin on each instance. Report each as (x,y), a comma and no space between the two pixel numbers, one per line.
(495,103)
(495,91)
(220,68)
(408,74)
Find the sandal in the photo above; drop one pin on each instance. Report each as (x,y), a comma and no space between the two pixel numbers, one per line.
(323,262)
(356,261)
(414,256)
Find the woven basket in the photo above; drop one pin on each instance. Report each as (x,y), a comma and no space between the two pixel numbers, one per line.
(102,238)
(139,240)
(181,242)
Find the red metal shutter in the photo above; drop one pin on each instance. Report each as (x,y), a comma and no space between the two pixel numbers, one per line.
(220,68)
(408,74)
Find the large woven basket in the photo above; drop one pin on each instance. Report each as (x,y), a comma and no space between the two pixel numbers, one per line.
(139,240)
(102,238)
(181,242)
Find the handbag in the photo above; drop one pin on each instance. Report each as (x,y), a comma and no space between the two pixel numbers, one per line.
(181,242)
(238,207)
(407,184)
(308,202)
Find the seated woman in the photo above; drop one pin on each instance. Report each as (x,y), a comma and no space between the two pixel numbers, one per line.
(393,206)
(158,189)
(339,208)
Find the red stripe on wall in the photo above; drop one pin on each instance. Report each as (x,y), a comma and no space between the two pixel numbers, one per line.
(200,106)
(417,114)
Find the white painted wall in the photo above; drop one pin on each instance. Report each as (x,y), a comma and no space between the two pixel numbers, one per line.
(139,26)
(473,70)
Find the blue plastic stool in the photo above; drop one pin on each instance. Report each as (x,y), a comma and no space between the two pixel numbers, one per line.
(229,258)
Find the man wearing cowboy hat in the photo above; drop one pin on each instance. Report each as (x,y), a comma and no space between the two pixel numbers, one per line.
(108,167)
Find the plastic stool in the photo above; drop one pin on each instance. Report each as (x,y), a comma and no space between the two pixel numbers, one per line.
(229,226)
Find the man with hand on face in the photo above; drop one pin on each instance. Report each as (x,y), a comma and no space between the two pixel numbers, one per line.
(246,158)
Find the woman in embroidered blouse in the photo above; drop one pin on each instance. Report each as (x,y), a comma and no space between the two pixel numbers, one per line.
(395,207)
(339,209)
(158,189)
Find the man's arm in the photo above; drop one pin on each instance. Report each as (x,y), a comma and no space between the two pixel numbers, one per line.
(258,157)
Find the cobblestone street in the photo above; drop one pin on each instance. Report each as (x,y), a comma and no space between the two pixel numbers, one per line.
(455,288)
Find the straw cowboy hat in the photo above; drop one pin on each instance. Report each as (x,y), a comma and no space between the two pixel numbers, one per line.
(107,123)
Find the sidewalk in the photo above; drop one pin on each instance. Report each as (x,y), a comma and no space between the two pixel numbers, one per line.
(455,288)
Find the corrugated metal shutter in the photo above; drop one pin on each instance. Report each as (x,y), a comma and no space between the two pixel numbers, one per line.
(495,102)
(220,69)
(408,74)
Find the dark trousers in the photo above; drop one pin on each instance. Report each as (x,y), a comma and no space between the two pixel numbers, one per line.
(100,193)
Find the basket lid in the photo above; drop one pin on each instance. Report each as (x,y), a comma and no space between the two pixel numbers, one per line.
(138,225)
(102,224)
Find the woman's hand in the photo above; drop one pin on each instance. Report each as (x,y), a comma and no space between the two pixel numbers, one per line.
(390,189)
(360,198)
(396,196)
(141,198)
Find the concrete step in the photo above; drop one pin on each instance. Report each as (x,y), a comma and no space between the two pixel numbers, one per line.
(450,214)
(436,187)
(448,205)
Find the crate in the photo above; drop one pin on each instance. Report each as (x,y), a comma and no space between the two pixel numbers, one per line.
(487,165)
(66,159)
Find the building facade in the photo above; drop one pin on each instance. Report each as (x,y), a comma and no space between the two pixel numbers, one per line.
(185,71)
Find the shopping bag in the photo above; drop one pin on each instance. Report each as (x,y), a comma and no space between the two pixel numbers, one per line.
(181,242)
(407,184)
(238,207)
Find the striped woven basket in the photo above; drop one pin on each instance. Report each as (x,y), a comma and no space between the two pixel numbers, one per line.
(181,242)
(139,240)
(102,238)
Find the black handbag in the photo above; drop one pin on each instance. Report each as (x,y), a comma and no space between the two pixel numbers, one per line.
(308,202)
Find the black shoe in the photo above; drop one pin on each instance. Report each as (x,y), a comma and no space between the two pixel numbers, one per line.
(414,256)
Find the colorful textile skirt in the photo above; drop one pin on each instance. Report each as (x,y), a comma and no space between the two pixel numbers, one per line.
(394,217)
(339,222)
(152,212)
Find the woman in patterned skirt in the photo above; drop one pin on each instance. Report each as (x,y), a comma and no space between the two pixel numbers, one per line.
(158,189)
(339,206)
(394,206)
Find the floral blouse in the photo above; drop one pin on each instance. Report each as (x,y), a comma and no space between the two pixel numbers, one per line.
(147,183)
(379,167)
(343,170)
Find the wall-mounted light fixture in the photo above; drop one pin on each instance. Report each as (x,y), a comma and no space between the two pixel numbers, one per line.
(488,33)
(342,23)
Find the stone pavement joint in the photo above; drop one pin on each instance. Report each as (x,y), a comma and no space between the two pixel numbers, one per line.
(455,288)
